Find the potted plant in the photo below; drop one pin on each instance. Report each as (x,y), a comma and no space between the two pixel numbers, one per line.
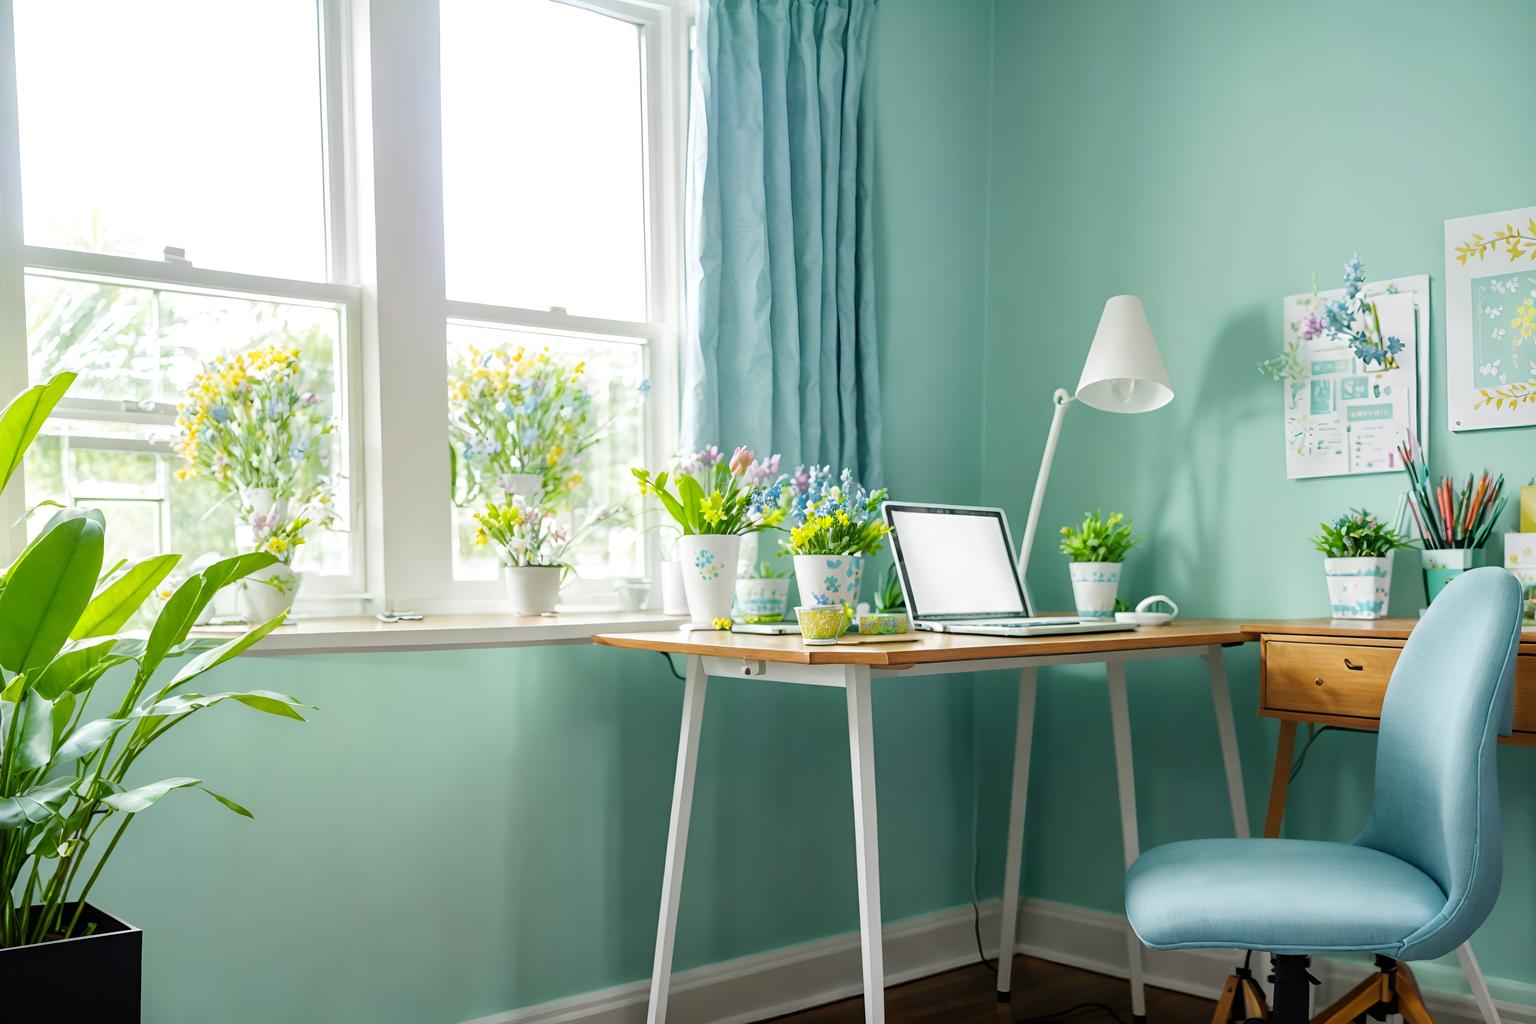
(762,595)
(67,794)
(534,550)
(1357,563)
(518,423)
(714,501)
(833,524)
(248,423)
(1096,550)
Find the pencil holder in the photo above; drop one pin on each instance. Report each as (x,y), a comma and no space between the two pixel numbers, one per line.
(1441,565)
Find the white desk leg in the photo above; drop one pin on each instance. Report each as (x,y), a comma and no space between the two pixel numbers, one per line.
(677,837)
(1480,991)
(866,839)
(1120,720)
(1221,700)
(1024,731)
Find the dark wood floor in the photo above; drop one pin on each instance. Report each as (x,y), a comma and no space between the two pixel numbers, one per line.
(967,996)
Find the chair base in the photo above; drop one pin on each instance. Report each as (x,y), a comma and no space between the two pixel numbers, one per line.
(1392,989)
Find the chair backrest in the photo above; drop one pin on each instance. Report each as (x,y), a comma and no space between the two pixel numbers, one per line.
(1436,802)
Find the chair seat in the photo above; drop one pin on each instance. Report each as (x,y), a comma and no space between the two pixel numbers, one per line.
(1277,895)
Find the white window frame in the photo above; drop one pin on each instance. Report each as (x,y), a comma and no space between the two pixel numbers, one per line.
(382,153)
(402,44)
(339,592)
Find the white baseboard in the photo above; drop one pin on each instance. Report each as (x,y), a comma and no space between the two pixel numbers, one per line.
(782,981)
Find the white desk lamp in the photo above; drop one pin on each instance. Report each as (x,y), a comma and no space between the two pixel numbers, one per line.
(1124,373)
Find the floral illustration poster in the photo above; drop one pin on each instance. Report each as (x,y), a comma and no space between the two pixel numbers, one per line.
(1342,416)
(1490,326)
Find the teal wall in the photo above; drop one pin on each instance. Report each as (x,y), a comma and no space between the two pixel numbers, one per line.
(454,835)
(1209,157)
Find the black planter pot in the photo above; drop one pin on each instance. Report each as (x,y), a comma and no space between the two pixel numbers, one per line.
(91,977)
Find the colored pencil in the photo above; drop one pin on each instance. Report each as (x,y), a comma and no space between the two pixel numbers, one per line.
(1447,514)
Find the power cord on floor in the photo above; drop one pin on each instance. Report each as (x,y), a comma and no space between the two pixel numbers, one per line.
(1301,758)
(671,667)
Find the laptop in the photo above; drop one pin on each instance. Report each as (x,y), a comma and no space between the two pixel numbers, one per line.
(958,574)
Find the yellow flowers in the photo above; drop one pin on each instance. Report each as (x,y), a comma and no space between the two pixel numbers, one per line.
(713,508)
(277,545)
(1524,322)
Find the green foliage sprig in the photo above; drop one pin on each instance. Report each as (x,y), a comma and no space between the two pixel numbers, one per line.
(1099,539)
(889,597)
(1357,534)
(64,786)
(709,494)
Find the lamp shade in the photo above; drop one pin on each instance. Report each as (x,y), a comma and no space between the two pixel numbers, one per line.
(1124,371)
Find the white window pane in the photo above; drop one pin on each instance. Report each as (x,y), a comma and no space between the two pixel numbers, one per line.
(614,373)
(543,172)
(143,344)
(187,123)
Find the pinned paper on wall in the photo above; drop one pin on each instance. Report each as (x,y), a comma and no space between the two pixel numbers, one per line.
(1490,320)
(1343,416)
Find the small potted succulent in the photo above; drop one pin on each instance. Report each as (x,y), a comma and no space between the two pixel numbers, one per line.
(1096,550)
(1357,563)
(834,524)
(714,500)
(534,549)
(762,594)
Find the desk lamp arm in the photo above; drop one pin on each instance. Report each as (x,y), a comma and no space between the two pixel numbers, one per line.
(1061,399)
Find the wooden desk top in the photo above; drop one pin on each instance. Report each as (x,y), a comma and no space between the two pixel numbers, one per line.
(930,648)
(1358,629)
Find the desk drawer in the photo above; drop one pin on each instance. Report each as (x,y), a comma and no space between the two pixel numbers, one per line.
(1328,679)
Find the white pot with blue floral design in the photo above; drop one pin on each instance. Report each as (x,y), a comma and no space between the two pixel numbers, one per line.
(762,600)
(1094,588)
(829,579)
(709,575)
(1358,587)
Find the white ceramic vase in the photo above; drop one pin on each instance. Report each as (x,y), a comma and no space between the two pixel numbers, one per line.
(674,600)
(708,564)
(829,579)
(531,589)
(1094,588)
(267,593)
(1358,587)
(759,600)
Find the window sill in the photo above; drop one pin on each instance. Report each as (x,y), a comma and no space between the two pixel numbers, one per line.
(366,634)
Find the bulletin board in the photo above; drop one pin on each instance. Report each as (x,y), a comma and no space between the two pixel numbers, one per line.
(1343,418)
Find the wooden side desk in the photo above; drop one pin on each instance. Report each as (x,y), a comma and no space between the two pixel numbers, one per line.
(1335,672)
(852,667)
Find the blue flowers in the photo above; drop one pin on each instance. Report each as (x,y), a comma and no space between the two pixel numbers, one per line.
(1353,320)
(220,413)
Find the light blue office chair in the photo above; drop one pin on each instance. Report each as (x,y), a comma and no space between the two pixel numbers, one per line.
(1421,877)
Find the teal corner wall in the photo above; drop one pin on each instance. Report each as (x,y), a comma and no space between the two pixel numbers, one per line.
(1210,157)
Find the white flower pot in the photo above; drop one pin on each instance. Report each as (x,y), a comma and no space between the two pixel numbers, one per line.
(262,501)
(829,579)
(267,593)
(674,600)
(709,575)
(1358,587)
(762,600)
(1094,587)
(531,589)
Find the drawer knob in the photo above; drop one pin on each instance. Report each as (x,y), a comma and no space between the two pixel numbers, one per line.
(1352,666)
(1318,681)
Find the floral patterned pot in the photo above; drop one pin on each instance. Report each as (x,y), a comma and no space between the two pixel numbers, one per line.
(531,589)
(1358,587)
(829,579)
(1094,586)
(709,575)
(759,600)
(267,593)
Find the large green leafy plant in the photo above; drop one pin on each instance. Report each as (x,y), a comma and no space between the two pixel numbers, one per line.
(1357,534)
(65,798)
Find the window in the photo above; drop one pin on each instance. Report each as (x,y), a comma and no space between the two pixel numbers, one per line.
(185,179)
(554,239)
(172,164)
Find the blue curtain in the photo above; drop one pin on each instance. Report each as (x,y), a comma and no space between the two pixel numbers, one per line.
(779,348)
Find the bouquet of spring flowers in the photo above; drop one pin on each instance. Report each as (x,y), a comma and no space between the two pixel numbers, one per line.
(248,424)
(511,414)
(523,534)
(708,494)
(1353,321)
(832,515)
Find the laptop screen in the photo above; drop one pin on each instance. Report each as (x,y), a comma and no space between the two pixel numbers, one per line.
(955,562)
